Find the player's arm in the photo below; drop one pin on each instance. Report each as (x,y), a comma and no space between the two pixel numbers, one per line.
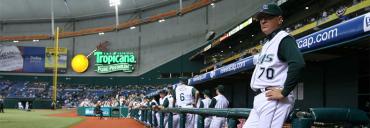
(195,93)
(201,105)
(289,52)
(174,98)
(164,105)
(213,103)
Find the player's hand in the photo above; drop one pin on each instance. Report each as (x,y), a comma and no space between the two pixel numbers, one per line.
(155,107)
(274,94)
(194,104)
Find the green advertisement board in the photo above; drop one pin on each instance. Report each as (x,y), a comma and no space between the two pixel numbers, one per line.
(107,62)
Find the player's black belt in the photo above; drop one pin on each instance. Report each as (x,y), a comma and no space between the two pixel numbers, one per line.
(259,91)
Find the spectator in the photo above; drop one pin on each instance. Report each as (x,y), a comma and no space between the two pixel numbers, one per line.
(324,14)
(354,2)
(340,13)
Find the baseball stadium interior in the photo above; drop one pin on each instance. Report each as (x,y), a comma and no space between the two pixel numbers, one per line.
(117,53)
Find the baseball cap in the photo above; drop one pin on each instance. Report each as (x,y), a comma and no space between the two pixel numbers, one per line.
(207,92)
(170,86)
(184,81)
(163,91)
(220,87)
(270,9)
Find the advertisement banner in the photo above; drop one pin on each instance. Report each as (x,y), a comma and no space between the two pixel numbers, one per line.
(89,111)
(62,60)
(10,58)
(34,59)
(107,62)
(336,34)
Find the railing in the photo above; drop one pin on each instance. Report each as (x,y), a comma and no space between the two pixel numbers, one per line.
(233,114)
(321,117)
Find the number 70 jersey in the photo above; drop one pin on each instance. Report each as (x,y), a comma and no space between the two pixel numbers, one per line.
(269,70)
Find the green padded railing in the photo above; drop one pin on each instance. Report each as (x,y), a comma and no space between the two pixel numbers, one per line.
(326,115)
(348,116)
(233,114)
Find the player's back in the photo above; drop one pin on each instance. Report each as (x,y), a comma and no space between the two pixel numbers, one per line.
(222,102)
(184,96)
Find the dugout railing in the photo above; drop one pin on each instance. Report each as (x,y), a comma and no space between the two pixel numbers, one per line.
(233,114)
(317,117)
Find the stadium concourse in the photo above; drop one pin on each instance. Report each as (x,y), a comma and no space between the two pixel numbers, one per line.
(184,63)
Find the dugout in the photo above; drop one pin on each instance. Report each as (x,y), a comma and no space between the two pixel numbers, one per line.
(336,73)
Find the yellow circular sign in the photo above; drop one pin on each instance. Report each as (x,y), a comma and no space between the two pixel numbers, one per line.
(80,63)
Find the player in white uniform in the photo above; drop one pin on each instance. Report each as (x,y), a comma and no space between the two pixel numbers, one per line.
(167,102)
(185,97)
(278,67)
(204,103)
(20,106)
(27,106)
(152,103)
(219,101)
(162,95)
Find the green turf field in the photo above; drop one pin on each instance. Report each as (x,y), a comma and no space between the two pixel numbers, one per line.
(13,118)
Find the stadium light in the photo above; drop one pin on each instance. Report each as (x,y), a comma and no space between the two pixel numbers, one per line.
(114,2)
(213,5)
(35,40)
(101,33)
(162,20)
(15,41)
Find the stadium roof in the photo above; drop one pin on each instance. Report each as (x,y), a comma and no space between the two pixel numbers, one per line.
(36,10)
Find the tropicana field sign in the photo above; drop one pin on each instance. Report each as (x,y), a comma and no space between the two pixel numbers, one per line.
(107,62)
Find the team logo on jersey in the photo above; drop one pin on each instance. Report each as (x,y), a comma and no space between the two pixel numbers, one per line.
(367,22)
(265,58)
(264,7)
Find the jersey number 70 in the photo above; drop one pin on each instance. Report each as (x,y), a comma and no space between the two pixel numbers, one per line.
(269,73)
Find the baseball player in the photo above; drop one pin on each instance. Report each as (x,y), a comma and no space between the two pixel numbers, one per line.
(153,103)
(20,106)
(1,104)
(185,97)
(27,106)
(204,103)
(219,101)
(276,74)
(162,95)
(166,103)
